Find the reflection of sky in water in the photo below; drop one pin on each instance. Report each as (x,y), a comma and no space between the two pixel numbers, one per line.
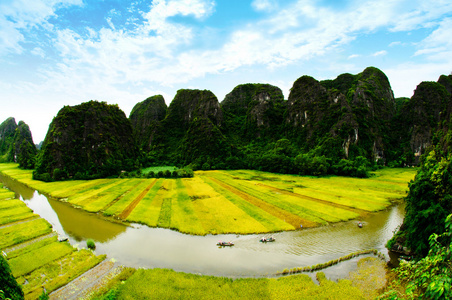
(141,246)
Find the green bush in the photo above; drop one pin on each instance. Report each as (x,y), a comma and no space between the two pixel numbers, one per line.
(90,244)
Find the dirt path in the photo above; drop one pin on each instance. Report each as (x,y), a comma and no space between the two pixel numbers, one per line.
(288,217)
(83,285)
(118,198)
(126,212)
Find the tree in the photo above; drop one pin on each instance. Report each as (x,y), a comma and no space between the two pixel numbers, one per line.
(431,276)
(8,284)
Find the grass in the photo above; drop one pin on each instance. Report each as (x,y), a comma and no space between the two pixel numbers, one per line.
(158,169)
(58,272)
(21,232)
(183,216)
(12,214)
(34,259)
(240,201)
(165,284)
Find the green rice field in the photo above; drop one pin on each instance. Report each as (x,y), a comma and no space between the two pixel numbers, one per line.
(216,202)
(36,257)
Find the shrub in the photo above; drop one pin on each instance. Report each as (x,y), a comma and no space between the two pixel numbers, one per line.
(90,244)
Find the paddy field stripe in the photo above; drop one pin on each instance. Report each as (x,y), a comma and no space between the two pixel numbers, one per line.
(183,216)
(263,221)
(317,200)
(119,206)
(288,217)
(92,194)
(145,212)
(126,212)
(132,187)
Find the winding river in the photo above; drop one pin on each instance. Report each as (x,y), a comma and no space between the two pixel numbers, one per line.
(141,246)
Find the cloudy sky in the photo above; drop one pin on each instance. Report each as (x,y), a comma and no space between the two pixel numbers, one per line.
(65,52)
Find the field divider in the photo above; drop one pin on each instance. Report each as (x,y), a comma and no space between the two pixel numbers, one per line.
(288,217)
(118,198)
(126,212)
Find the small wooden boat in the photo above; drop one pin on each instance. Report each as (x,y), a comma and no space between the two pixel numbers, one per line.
(265,240)
(62,239)
(225,244)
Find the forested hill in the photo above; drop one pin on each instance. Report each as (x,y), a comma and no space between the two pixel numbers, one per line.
(16,143)
(340,126)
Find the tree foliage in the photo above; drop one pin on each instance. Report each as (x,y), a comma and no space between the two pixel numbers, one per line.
(8,284)
(431,276)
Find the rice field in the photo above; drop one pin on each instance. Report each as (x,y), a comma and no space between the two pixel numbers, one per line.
(239,201)
(36,257)
(212,202)
(168,284)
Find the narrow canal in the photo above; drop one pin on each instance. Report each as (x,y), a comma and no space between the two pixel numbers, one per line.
(141,246)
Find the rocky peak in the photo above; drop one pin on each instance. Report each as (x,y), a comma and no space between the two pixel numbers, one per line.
(190,104)
(93,138)
(446,81)
(426,109)
(145,117)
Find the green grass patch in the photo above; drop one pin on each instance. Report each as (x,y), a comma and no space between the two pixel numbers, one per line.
(21,232)
(6,204)
(58,272)
(158,169)
(34,259)
(32,247)
(15,214)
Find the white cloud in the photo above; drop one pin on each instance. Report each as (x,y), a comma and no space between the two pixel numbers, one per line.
(353,56)
(438,45)
(380,53)
(19,16)
(264,5)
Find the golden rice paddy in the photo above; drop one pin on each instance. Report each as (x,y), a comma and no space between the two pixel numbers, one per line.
(240,201)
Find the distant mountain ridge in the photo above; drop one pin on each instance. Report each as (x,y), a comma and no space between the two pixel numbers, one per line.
(331,126)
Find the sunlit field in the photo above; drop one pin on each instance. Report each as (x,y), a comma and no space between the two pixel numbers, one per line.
(166,284)
(216,202)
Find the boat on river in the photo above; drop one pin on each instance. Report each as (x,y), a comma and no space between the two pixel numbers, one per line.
(266,240)
(225,244)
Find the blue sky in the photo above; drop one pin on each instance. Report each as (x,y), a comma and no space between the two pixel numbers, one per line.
(65,52)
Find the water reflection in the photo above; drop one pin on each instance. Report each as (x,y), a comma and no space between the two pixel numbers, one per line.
(75,224)
(141,246)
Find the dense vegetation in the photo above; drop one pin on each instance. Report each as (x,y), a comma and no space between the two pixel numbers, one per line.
(16,144)
(9,287)
(346,126)
(90,140)
(427,228)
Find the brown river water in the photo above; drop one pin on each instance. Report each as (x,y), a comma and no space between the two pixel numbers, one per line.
(141,246)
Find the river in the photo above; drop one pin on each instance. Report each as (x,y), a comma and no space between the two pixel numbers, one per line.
(141,246)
